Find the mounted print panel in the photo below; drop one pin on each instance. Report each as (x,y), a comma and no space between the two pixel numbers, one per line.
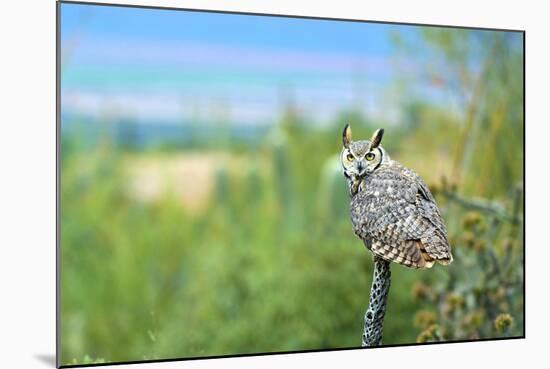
(235,184)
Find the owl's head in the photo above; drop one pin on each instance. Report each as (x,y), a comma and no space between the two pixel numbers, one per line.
(360,158)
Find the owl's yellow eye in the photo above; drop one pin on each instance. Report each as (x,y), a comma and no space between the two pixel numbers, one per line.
(369,156)
(350,157)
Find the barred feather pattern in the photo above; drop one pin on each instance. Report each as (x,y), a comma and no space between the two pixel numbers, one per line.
(396,216)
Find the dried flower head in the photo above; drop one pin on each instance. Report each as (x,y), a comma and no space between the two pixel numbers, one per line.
(473,320)
(503,306)
(479,245)
(507,244)
(468,238)
(428,334)
(421,291)
(503,322)
(455,300)
(424,319)
(471,219)
(500,293)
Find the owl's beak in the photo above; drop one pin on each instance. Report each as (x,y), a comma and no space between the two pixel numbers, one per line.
(361,169)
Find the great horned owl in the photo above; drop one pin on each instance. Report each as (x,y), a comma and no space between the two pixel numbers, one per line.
(392,209)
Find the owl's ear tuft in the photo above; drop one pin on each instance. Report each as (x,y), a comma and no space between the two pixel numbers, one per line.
(346,136)
(376,138)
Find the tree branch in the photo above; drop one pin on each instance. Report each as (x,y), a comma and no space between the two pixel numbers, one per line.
(374,317)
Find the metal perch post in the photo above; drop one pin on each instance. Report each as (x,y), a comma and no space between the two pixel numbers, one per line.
(374,317)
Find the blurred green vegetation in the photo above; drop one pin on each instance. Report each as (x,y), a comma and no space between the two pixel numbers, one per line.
(265,260)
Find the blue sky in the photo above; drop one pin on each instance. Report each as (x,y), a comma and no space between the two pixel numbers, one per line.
(230,29)
(150,64)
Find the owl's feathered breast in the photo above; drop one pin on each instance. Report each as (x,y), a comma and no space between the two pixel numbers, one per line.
(396,216)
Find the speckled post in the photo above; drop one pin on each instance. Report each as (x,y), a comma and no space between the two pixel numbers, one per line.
(374,317)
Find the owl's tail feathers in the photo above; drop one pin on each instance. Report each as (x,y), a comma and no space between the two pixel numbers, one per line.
(436,249)
(447,260)
(420,254)
(433,252)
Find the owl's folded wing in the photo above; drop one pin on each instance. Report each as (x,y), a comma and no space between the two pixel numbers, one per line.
(396,215)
